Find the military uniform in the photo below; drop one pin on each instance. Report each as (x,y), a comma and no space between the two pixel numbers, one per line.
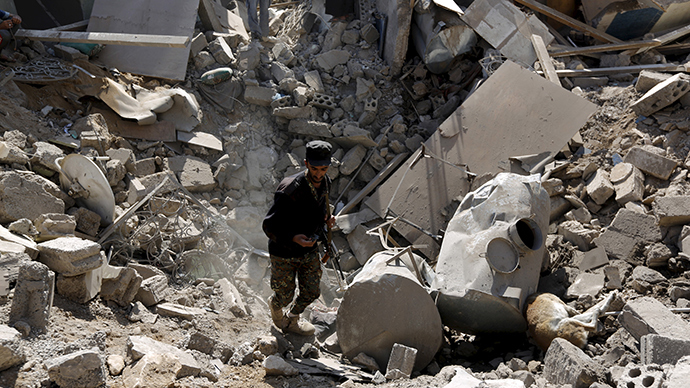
(299,212)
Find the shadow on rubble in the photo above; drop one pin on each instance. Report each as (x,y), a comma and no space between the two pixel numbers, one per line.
(484,353)
(90,310)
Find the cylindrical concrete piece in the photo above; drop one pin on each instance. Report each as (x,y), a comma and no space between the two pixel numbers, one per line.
(385,305)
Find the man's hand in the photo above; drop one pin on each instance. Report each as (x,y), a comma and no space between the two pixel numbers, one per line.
(6,24)
(330,222)
(16,19)
(303,240)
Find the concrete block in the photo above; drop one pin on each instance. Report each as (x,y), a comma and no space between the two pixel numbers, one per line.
(152,181)
(280,72)
(565,363)
(593,258)
(201,342)
(11,349)
(10,153)
(672,211)
(120,284)
(232,296)
(248,57)
(293,112)
(136,191)
(139,346)
(146,271)
(401,362)
(330,59)
(650,162)
(684,240)
(193,173)
(323,101)
(352,159)
(646,315)
(179,311)
(139,313)
(199,43)
(628,182)
(274,365)
(559,206)
(152,290)
(350,36)
(662,95)
(54,225)
(145,167)
(301,95)
(657,255)
(115,171)
(313,79)
(657,349)
(577,234)
(613,278)
(82,369)
(221,51)
(81,288)
(641,376)
(88,221)
(679,376)
(369,33)
(68,53)
(586,284)
(310,128)
(33,296)
(645,274)
(629,232)
(70,256)
(363,245)
(203,59)
(22,196)
(647,79)
(259,95)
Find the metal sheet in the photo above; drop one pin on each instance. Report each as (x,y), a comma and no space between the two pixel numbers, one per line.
(161,17)
(515,112)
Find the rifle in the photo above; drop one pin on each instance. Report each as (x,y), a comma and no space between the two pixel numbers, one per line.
(331,249)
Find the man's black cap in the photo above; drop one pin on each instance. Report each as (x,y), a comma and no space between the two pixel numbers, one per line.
(319,153)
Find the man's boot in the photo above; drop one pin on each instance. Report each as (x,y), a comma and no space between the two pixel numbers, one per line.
(276,314)
(293,324)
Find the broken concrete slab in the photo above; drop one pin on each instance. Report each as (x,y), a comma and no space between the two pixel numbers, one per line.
(193,173)
(646,315)
(647,79)
(363,245)
(21,197)
(33,296)
(628,181)
(662,95)
(163,62)
(586,284)
(650,162)
(54,225)
(232,297)
(10,153)
(155,370)
(634,375)
(11,349)
(431,185)
(628,233)
(18,244)
(565,363)
(82,369)
(71,256)
(139,346)
(599,187)
(120,284)
(502,24)
(593,258)
(658,349)
(310,128)
(81,288)
(152,290)
(259,95)
(401,362)
(678,376)
(672,210)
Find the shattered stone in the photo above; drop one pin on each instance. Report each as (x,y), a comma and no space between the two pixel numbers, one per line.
(628,232)
(11,349)
(221,51)
(586,284)
(120,284)
(10,153)
(650,162)
(313,79)
(88,222)
(646,315)
(259,95)
(193,173)
(401,362)
(140,346)
(152,290)
(82,369)
(310,128)
(232,297)
(673,210)
(330,59)
(115,172)
(198,43)
(153,370)
(565,363)
(80,288)
(599,187)
(179,311)
(274,365)
(659,350)
(662,95)
(54,225)
(33,296)
(628,181)
(366,361)
(647,79)
(69,53)
(280,72)
(140,313)
(248,57)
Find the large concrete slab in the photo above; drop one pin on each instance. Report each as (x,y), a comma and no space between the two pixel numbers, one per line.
(161,17)
(484,136)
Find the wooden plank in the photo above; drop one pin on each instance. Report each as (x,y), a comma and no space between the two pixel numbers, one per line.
(568,21)
(619,70)
(71,27)
(566,51)
(545,59)
(670,37)
(383,174)
(105,38)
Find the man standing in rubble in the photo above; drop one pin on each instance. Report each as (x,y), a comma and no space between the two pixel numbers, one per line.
(258,26)
(297,217)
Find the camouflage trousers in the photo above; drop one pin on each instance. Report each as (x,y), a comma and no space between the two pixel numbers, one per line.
(306,270)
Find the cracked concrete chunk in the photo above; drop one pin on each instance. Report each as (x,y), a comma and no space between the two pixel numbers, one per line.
(152,290)
(310,128)
(646,315)
(54,225)
(330,59)
(672,210)
(599,187)
(156,370)
(11,349)
(120,284)
(70,256)
(23,196)
(193,173)
(33,296)
(139,346)
(274,365)
(83,369)
(650,162)
(565,363)
(662,95)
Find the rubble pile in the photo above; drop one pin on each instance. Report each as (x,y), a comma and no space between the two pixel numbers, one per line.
(131,205)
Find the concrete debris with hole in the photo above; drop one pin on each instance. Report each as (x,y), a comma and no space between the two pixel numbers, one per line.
(510,186)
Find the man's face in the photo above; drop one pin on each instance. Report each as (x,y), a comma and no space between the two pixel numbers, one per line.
(316,173)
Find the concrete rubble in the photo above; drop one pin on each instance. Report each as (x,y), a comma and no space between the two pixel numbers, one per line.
(134,183)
